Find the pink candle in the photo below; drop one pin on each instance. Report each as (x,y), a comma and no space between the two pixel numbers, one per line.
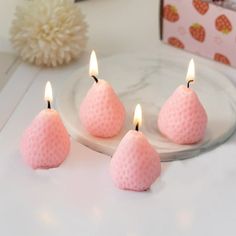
(182,118)
(101,112)
(45,143)
(135,165)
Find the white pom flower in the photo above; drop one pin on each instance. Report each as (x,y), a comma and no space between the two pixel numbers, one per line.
(49,32)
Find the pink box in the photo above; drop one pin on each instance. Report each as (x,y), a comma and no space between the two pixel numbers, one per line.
(200,27)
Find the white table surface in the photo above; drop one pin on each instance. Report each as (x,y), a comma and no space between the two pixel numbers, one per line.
(192,197)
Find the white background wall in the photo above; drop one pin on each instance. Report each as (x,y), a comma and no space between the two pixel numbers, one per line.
(116,23)
(113,24)
(7,8)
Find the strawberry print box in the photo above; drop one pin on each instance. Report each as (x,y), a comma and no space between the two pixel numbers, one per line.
(200,27)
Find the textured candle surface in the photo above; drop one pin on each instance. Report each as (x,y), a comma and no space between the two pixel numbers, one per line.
(101,112)
(45,143)
(135,165)
(182,118)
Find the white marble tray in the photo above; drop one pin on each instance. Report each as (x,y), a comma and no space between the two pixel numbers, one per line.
(150,80)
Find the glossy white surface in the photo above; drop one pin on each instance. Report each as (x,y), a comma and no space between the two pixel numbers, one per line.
(149,79)
(193,197)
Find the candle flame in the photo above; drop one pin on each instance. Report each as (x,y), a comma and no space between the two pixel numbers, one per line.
(191,71)
(138,115)
(48,92)
(93,67)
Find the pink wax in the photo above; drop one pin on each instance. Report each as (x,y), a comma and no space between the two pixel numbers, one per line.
(182,118)
(135,164)
(101,112)
(45,143)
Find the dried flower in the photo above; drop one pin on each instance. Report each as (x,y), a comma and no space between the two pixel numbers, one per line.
(49,32)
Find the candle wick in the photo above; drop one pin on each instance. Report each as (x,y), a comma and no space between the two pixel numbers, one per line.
(137,127)
(95,78)
(188,84)
(49,105)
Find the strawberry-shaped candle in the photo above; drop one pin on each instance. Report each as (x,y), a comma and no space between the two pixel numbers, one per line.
(135,165)
(183,118)
(101,112)
(45,143)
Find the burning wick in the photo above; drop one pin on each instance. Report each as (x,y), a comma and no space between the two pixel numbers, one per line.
(191,73)
(95,78)
(49,105)
(93,68)
(137,127)
(138,117)
(48,94)
(189,82)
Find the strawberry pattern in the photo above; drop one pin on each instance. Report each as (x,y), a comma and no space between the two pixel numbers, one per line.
(198,32)
(221,58)
(201,7)
(199,26)
(171,13)
(175,42)
(223,24)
